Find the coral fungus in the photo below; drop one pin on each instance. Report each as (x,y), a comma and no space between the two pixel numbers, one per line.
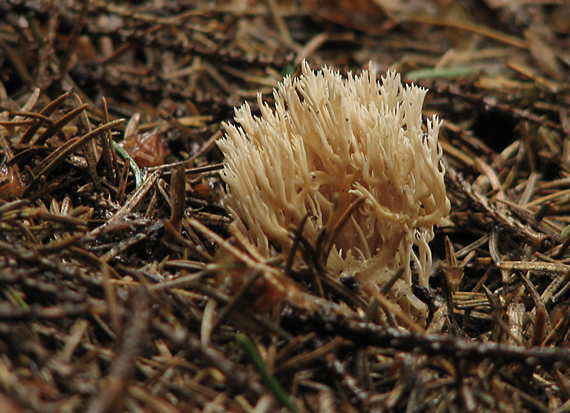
(328,143)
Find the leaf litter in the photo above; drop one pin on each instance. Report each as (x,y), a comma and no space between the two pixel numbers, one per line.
(114,241)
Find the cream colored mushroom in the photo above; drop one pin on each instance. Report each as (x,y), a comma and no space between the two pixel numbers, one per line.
(329,141)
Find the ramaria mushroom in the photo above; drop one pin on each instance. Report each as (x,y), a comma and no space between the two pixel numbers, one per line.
(329,142)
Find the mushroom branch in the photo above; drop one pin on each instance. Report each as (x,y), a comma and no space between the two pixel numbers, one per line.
(354,156)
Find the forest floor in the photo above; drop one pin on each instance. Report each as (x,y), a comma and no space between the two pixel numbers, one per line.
(110,297)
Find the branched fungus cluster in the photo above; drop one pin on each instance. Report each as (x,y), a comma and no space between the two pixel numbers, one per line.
(331,142)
